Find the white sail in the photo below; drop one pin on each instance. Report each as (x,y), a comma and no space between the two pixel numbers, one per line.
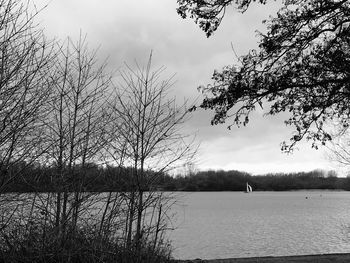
(249,188)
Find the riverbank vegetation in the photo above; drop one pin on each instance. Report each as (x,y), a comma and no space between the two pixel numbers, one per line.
(63,124)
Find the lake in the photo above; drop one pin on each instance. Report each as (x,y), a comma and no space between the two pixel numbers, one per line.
(232,224)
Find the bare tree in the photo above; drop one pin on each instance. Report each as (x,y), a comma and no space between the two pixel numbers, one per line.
(339,149)
(75,128)
(53,110)
(25,60)
(149,129)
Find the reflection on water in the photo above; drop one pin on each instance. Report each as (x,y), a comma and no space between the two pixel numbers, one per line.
(232,224)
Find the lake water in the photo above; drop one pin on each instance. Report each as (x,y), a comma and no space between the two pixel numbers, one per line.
(231,224)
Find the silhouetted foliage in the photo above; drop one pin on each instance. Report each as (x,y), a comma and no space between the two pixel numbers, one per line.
(208,14)
(301,67)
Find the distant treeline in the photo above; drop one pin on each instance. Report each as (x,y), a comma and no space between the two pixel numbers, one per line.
(94,178)
(236,181)
(25,177)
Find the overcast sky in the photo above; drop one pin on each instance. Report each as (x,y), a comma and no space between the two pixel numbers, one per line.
(125,30)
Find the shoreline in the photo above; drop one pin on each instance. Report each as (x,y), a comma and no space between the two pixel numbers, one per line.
(319,258)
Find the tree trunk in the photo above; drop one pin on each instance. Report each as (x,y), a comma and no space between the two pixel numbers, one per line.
(131,218)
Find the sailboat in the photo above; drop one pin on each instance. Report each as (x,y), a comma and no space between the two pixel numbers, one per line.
(249,188)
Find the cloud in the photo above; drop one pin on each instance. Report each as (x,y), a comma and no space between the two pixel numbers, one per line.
(127,30)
